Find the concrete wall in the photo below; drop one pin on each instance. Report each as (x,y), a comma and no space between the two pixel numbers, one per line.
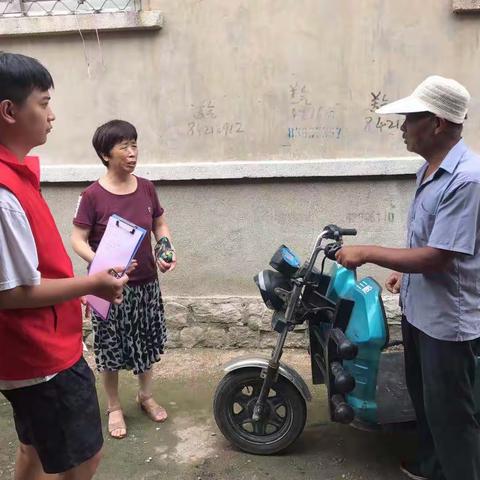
(256,81)
(226,232)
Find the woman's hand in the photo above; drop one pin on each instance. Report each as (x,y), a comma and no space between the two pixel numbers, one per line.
(164,266)
(160,230)
(133,265)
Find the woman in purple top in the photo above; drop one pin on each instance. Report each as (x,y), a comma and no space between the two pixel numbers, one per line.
(134,335)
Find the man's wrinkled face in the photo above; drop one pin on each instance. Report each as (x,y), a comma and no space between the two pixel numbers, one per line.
(418,131)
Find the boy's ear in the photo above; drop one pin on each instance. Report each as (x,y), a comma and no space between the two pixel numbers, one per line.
(7,111)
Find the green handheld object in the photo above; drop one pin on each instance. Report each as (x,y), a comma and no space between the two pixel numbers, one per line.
(164,250)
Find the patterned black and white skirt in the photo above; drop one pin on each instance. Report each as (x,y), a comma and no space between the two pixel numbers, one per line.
(134,336)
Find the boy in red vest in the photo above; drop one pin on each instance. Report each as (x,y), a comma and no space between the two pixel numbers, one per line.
(42,371)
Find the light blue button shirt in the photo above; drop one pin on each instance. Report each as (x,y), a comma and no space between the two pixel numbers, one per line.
(445,214)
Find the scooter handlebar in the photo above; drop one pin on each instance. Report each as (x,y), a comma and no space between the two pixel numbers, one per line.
(331,250)
(335,233)
(348,231)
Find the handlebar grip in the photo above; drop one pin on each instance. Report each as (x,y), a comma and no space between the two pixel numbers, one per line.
(331,250)
(334,232)
(348,231)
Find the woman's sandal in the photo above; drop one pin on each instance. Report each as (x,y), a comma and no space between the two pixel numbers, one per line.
(117,426)
(152,409)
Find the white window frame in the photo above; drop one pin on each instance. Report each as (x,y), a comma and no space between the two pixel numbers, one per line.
(41,8)
(69,23)
(466,6)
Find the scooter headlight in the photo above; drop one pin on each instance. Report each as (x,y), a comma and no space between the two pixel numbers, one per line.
(267,281)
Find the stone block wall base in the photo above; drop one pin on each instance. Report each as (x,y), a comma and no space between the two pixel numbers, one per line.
(233,322)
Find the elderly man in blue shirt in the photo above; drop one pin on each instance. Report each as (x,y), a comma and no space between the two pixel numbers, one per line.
(438,278)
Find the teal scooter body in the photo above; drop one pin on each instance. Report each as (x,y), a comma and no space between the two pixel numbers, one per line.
(367,329)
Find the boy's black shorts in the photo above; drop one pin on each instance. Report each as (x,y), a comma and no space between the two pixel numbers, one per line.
(60,418)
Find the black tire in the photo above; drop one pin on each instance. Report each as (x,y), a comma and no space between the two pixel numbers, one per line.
(285,414)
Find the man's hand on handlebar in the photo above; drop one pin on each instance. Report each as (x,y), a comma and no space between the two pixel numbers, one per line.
(352,257)
(355,256)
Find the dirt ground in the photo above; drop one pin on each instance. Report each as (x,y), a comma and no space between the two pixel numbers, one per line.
(189,446)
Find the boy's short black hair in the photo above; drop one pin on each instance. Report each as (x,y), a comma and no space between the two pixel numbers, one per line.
(109,134)
(20,75)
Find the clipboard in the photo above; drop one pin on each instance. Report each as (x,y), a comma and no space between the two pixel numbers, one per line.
(118,246)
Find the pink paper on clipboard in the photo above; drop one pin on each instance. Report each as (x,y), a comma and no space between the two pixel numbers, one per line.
(118,246)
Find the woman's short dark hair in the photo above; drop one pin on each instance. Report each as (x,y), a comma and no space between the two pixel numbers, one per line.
(20,75)
(109,134)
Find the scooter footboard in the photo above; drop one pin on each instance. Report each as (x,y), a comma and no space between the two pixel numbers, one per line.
(393,401)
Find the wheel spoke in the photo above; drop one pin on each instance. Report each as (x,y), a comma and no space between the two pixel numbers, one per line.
(241,399)
(242,417)
(276,420)
(259,428)
(276,402)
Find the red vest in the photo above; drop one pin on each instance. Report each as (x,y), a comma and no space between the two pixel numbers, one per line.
(35,342)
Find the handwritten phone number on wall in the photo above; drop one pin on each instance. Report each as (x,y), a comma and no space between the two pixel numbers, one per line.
(228,129)
(375,123)
(314,132)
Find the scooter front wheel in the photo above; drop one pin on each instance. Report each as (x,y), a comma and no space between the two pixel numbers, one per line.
(283,419)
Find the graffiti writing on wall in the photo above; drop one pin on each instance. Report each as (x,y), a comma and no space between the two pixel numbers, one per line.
(375,122)
(206,122)
(310,120)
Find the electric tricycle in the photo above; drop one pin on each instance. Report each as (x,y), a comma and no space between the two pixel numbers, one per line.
(260,404)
